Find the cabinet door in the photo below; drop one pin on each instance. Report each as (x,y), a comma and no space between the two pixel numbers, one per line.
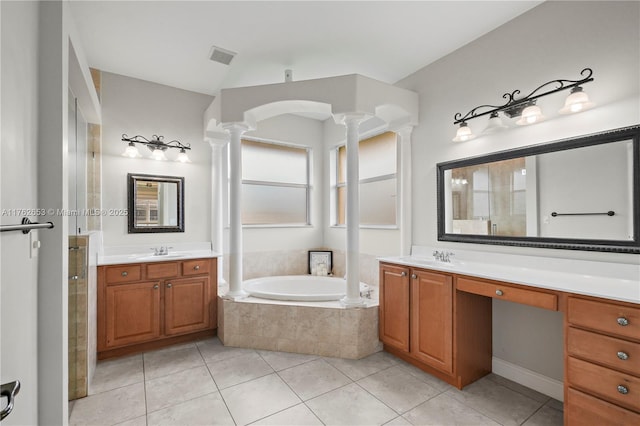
(394,306)
(132,313)
(432,319)
(187,305)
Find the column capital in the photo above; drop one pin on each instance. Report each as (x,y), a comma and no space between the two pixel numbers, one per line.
(351,117)
(217,142)
(235,127)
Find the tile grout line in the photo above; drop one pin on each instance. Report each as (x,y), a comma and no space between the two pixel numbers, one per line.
(216,383)
(302,401)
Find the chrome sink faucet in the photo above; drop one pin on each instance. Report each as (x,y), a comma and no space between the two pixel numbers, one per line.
(161,251)
(443,256)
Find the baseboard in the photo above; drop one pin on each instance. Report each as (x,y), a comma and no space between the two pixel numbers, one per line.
(531,379)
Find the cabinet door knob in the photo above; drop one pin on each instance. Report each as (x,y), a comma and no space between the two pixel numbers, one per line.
(124,273)
(155,286)
(169,285)
(403,274)
(499,292)
(623,321)
(197,267)
(623,389)
(623,355)
(414,276)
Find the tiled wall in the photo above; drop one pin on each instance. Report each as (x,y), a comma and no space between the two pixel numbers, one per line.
(78,316)
(82,312)
(295,262)
(335,332)
(94,165)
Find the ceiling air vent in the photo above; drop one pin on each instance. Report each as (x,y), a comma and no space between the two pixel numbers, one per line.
(221,55)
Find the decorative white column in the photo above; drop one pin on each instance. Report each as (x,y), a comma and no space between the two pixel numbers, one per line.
(235,211)
(218,180)
(404,165)
(353,299)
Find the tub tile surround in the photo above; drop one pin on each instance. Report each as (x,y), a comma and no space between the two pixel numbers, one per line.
(611,280)
(144,253)
(319,328)
(378,389)
(295,262)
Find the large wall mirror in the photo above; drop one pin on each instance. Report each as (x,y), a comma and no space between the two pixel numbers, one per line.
(581,194)
(156,203)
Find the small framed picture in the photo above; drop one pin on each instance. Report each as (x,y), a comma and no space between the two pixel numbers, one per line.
(320,262)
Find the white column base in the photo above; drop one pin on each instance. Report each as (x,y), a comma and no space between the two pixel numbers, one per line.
(235,295)
(357,302)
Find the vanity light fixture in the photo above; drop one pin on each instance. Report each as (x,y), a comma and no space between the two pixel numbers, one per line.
(183,157)
(525,108)
(495,124)
(157,146)
(131,151)
(464,133)
(530,115)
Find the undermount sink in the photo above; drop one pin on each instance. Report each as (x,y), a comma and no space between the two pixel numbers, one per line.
(160,257)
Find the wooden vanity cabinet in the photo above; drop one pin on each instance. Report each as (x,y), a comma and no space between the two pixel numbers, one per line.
(418,317)
(441,323)
(602,362)
(394,306)
(432,319)
(132,313)
(184,310)
(142,306)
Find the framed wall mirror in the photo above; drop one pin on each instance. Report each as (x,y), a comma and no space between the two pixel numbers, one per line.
(156,203)
(581,194)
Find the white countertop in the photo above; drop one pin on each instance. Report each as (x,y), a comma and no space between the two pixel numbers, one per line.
(143,254)
(599,279)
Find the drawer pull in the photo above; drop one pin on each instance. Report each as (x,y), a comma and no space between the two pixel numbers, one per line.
(155,286)
(197,267)
(403,274)
(499,292)
(622,321)
(124,273)
(623,389)
(414,276)
(169,285)
(623,355)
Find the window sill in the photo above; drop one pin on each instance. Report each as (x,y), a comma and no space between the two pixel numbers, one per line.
(277,225)
(383,227)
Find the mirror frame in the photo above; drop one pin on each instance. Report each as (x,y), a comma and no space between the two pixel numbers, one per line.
(132,179)
(620,246)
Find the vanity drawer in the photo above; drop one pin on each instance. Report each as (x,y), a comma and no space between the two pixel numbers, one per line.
(123,274)
(512,294)
(162,270)
(611,385)
(609,318)
(616,353)
(195,267)
(583,409)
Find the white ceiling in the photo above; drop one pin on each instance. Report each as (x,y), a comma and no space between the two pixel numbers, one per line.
(169,42)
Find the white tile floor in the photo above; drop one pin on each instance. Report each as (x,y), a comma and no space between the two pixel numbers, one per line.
(206,383)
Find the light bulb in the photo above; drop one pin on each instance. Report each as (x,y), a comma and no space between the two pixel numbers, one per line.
(495,124)
(158,154)
(464,133)
(183,157)
(577,101)
(131,151)
(531,114)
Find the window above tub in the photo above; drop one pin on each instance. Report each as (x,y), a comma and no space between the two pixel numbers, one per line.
(275,184)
